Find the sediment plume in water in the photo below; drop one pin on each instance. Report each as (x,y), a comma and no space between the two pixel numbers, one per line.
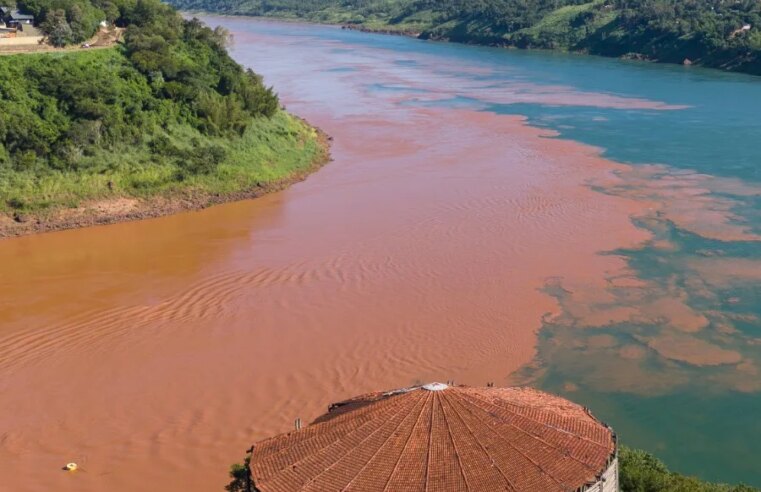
(426,265)
(435,247)
(679,324)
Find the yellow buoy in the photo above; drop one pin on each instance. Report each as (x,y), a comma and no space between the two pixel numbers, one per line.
(70,466)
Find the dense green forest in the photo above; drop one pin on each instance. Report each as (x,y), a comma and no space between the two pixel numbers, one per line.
(165,110)
(642,472)
(716,33)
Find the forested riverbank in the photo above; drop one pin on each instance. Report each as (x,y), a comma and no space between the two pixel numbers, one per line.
(711,33)
(164,121)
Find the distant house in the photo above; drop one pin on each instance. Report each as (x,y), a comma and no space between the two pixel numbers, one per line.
(16,18)
(746,27)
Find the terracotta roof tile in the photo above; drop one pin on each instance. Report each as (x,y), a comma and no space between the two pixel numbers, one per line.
(450,439)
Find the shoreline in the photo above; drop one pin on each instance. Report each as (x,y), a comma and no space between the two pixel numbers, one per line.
(628,57)
(127,209)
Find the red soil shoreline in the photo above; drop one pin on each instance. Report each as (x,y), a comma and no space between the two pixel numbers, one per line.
(126,209)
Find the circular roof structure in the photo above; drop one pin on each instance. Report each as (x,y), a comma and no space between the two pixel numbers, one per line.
(440,438)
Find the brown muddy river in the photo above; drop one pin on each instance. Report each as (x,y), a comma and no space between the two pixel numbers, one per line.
(154,353)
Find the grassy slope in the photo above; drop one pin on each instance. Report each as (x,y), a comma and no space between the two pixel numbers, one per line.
(560,25)
(270,150)
(642,472)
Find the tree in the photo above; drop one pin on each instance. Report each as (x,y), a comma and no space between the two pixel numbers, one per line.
(57,28)
(642,472)
(84,20)
(241,475)
(111,11)
(78,23)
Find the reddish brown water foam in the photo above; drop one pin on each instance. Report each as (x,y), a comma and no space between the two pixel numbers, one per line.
(153,353)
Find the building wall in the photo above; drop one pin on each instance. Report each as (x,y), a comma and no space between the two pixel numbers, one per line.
(609,480)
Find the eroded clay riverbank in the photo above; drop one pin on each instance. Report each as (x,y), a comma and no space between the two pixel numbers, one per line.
(126,208)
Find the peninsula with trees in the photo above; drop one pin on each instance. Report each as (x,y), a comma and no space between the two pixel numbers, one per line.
(159,121)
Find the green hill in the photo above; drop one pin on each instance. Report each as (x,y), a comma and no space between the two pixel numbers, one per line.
(166,113)
(714,33)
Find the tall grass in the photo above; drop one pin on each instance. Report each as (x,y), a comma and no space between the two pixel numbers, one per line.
(270,150)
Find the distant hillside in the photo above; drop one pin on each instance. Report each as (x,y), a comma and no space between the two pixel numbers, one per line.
(715,33)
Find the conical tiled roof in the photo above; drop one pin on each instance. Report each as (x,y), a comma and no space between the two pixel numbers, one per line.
(440,438)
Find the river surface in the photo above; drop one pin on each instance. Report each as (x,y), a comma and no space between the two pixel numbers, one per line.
(585,225)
